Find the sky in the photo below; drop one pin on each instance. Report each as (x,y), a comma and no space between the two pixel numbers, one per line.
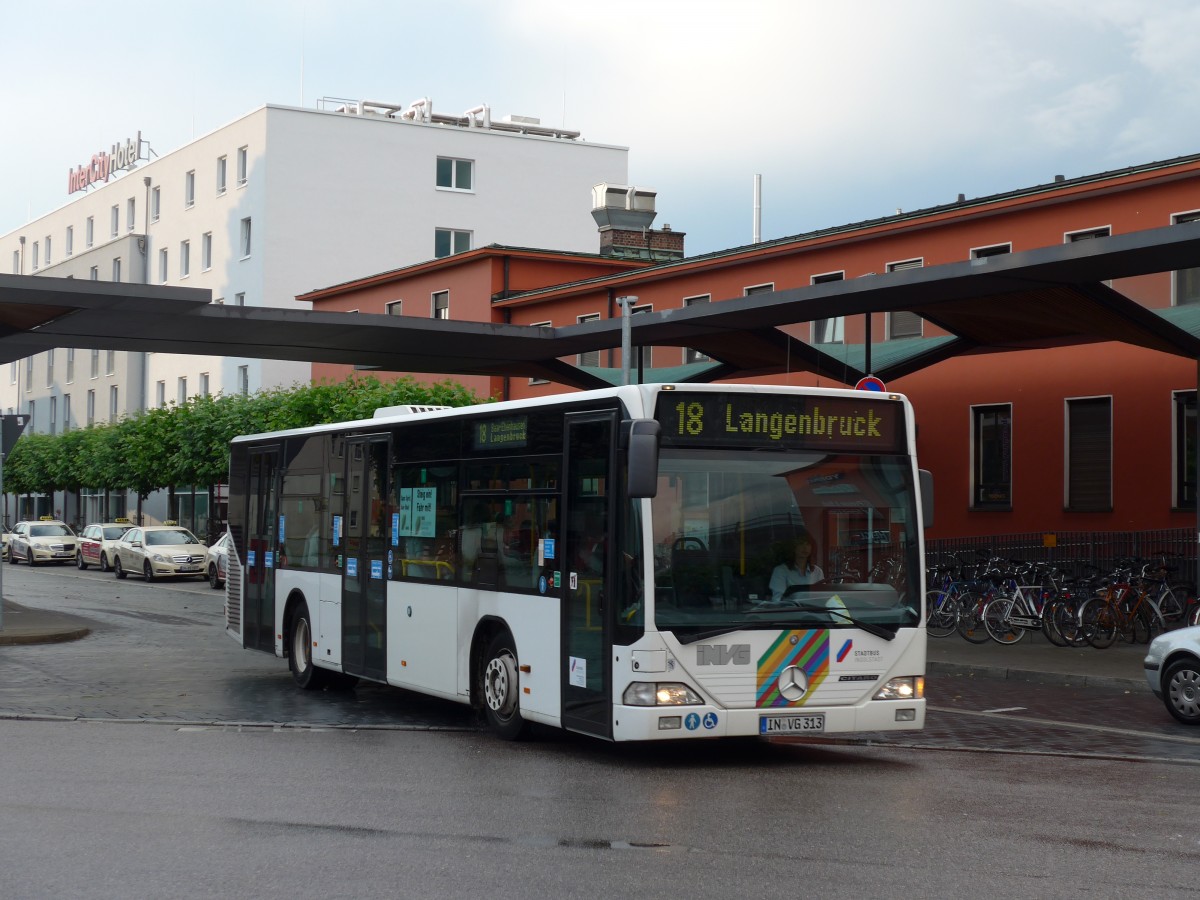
(849,110)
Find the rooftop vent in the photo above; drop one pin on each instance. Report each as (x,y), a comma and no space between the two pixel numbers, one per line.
(386,412)
(623,206)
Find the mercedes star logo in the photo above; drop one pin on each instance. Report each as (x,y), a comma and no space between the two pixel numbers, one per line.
(793,683)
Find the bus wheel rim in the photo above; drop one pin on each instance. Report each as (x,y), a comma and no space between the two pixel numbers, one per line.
(499,685)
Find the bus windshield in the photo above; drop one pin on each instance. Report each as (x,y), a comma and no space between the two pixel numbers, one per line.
(749,539)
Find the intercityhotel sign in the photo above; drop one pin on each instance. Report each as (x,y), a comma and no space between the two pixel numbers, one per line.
(103,165)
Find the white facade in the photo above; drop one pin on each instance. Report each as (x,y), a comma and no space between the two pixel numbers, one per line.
(310,198)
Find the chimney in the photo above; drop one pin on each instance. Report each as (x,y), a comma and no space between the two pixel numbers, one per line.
(623,215)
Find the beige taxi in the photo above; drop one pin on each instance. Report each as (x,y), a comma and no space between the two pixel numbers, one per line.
(41,541)
(97,544)
(160,551)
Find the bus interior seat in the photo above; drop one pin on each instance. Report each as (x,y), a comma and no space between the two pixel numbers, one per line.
(693,577)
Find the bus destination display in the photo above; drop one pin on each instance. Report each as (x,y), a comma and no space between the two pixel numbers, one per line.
(783,421)
(502,434)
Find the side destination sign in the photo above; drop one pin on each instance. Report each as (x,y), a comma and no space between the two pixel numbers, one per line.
(782,421)
(498,434)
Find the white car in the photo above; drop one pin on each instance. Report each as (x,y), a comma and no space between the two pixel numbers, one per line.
(43,540)
(158,551)
(1173,671)
(218,561)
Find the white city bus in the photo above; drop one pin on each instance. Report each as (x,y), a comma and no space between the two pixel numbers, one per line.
(611,562)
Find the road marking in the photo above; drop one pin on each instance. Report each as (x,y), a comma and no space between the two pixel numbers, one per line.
(1006,709)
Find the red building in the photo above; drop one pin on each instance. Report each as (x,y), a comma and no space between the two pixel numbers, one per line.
(1093,438)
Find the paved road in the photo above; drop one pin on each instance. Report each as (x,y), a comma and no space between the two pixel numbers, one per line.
(158,652)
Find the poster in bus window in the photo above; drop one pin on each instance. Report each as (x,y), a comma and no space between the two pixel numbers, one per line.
(424,500)
(395,529)
(337,531)
(404,518)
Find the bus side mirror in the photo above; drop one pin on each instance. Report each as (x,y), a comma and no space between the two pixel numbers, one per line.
(640,440)
(926,484)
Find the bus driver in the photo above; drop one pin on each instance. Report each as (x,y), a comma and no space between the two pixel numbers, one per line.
(799,572)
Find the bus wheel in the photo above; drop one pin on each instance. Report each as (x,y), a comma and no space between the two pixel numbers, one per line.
(500,689)
(307,676)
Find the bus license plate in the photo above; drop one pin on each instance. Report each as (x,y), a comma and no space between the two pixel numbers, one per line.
(813,723)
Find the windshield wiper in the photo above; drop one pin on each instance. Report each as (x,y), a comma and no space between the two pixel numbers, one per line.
(869,627)
(701,635)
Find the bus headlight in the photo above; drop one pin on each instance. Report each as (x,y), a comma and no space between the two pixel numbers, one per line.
(645,693)
(908,687)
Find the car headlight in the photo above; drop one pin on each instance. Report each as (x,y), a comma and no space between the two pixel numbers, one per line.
(158,558)
(908,687)
(646,693)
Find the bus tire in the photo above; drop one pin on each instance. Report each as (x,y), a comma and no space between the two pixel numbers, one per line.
(307,676)
(500,689)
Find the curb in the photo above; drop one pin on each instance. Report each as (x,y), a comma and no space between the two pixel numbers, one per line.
(42,637)
(1011,674)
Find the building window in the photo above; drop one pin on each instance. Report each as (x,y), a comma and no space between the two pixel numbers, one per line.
(1185,449)
(162,265)
(66,412)
(244,243)
(1187,281)
(222,165)
(239,299)
(994,250)
(49,368)
(589,357)
(155,204)
(242,166)
(540,325)
(447,241)
(32,417)
(12,372)
(1089,234)
(95,364)
(160,394)
(185,259)
(16,262)
(35,256)
(48,254)
(54,415)
(203,384)
(183,393)
(70,240)
(130,213)
(455,174)
(991,456)
(759,289)
(115,223)
(189,189)
(243,380)
(829,331)
(395,308)
(89,231)
(904,323)
(70,366)
(91,407)
(112,403)
(1089,455)
(28,374)
(206,251)
(440,306)
(94,273)
(116,269)
(640,357)
(110,362)
(690,355)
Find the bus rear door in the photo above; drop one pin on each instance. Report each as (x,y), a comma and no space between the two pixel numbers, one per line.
(365,561)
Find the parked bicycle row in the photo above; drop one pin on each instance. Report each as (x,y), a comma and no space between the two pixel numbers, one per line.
(985,597)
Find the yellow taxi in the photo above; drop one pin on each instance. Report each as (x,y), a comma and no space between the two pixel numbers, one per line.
(97,544)
(159,551)
(41,540)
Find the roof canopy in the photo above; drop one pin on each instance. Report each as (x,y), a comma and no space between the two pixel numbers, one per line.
(1049,297)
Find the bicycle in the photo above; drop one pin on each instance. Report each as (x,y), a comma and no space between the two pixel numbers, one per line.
(1020,607)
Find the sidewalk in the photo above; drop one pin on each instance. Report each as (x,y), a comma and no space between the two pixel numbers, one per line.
(25,625)
(1033,659)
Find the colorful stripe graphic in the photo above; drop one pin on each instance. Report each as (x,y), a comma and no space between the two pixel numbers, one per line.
(844,652)
(808,649)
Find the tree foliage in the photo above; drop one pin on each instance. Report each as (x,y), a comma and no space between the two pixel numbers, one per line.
(188,444)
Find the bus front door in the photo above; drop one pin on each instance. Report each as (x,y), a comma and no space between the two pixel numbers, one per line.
(262,505)
(588,555)
(365,563)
